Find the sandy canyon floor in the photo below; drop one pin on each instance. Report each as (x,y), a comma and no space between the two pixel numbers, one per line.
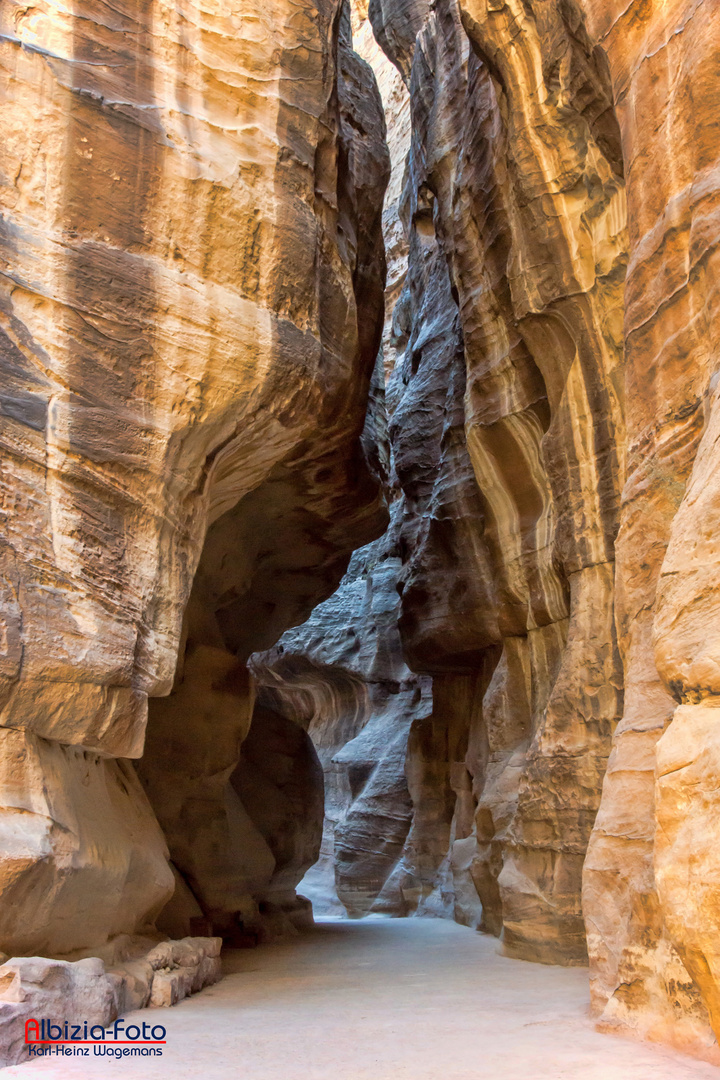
(393,999)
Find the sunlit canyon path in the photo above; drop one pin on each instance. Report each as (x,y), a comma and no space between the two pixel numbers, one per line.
(387,1000)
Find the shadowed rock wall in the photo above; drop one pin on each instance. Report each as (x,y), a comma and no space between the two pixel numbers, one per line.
(507,437)
(342,676)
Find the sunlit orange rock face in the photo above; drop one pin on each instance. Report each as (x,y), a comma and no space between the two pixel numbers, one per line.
(652,871)
(190,306)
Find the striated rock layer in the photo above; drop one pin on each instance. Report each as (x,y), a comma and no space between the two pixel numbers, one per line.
(191,306)
(507,435)
(652,869)
(342,676)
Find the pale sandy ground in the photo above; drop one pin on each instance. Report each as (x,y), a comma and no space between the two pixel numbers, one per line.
(387,1000)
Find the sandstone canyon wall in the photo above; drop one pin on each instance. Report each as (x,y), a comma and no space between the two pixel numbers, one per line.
(551,395)
(650,883)
(342,676)
(191,308)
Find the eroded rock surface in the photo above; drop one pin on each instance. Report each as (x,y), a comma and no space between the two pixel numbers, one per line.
(85,992)
(342,676)
(191,308)
(513,695)
(647,874)
(507,436)
(583,381)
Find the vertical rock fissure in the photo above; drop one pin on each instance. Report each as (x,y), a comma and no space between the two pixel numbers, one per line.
(492,590)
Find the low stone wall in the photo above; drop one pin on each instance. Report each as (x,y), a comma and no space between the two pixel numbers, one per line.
(85,991)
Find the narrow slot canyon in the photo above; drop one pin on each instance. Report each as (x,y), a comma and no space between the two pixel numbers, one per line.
(360,595)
